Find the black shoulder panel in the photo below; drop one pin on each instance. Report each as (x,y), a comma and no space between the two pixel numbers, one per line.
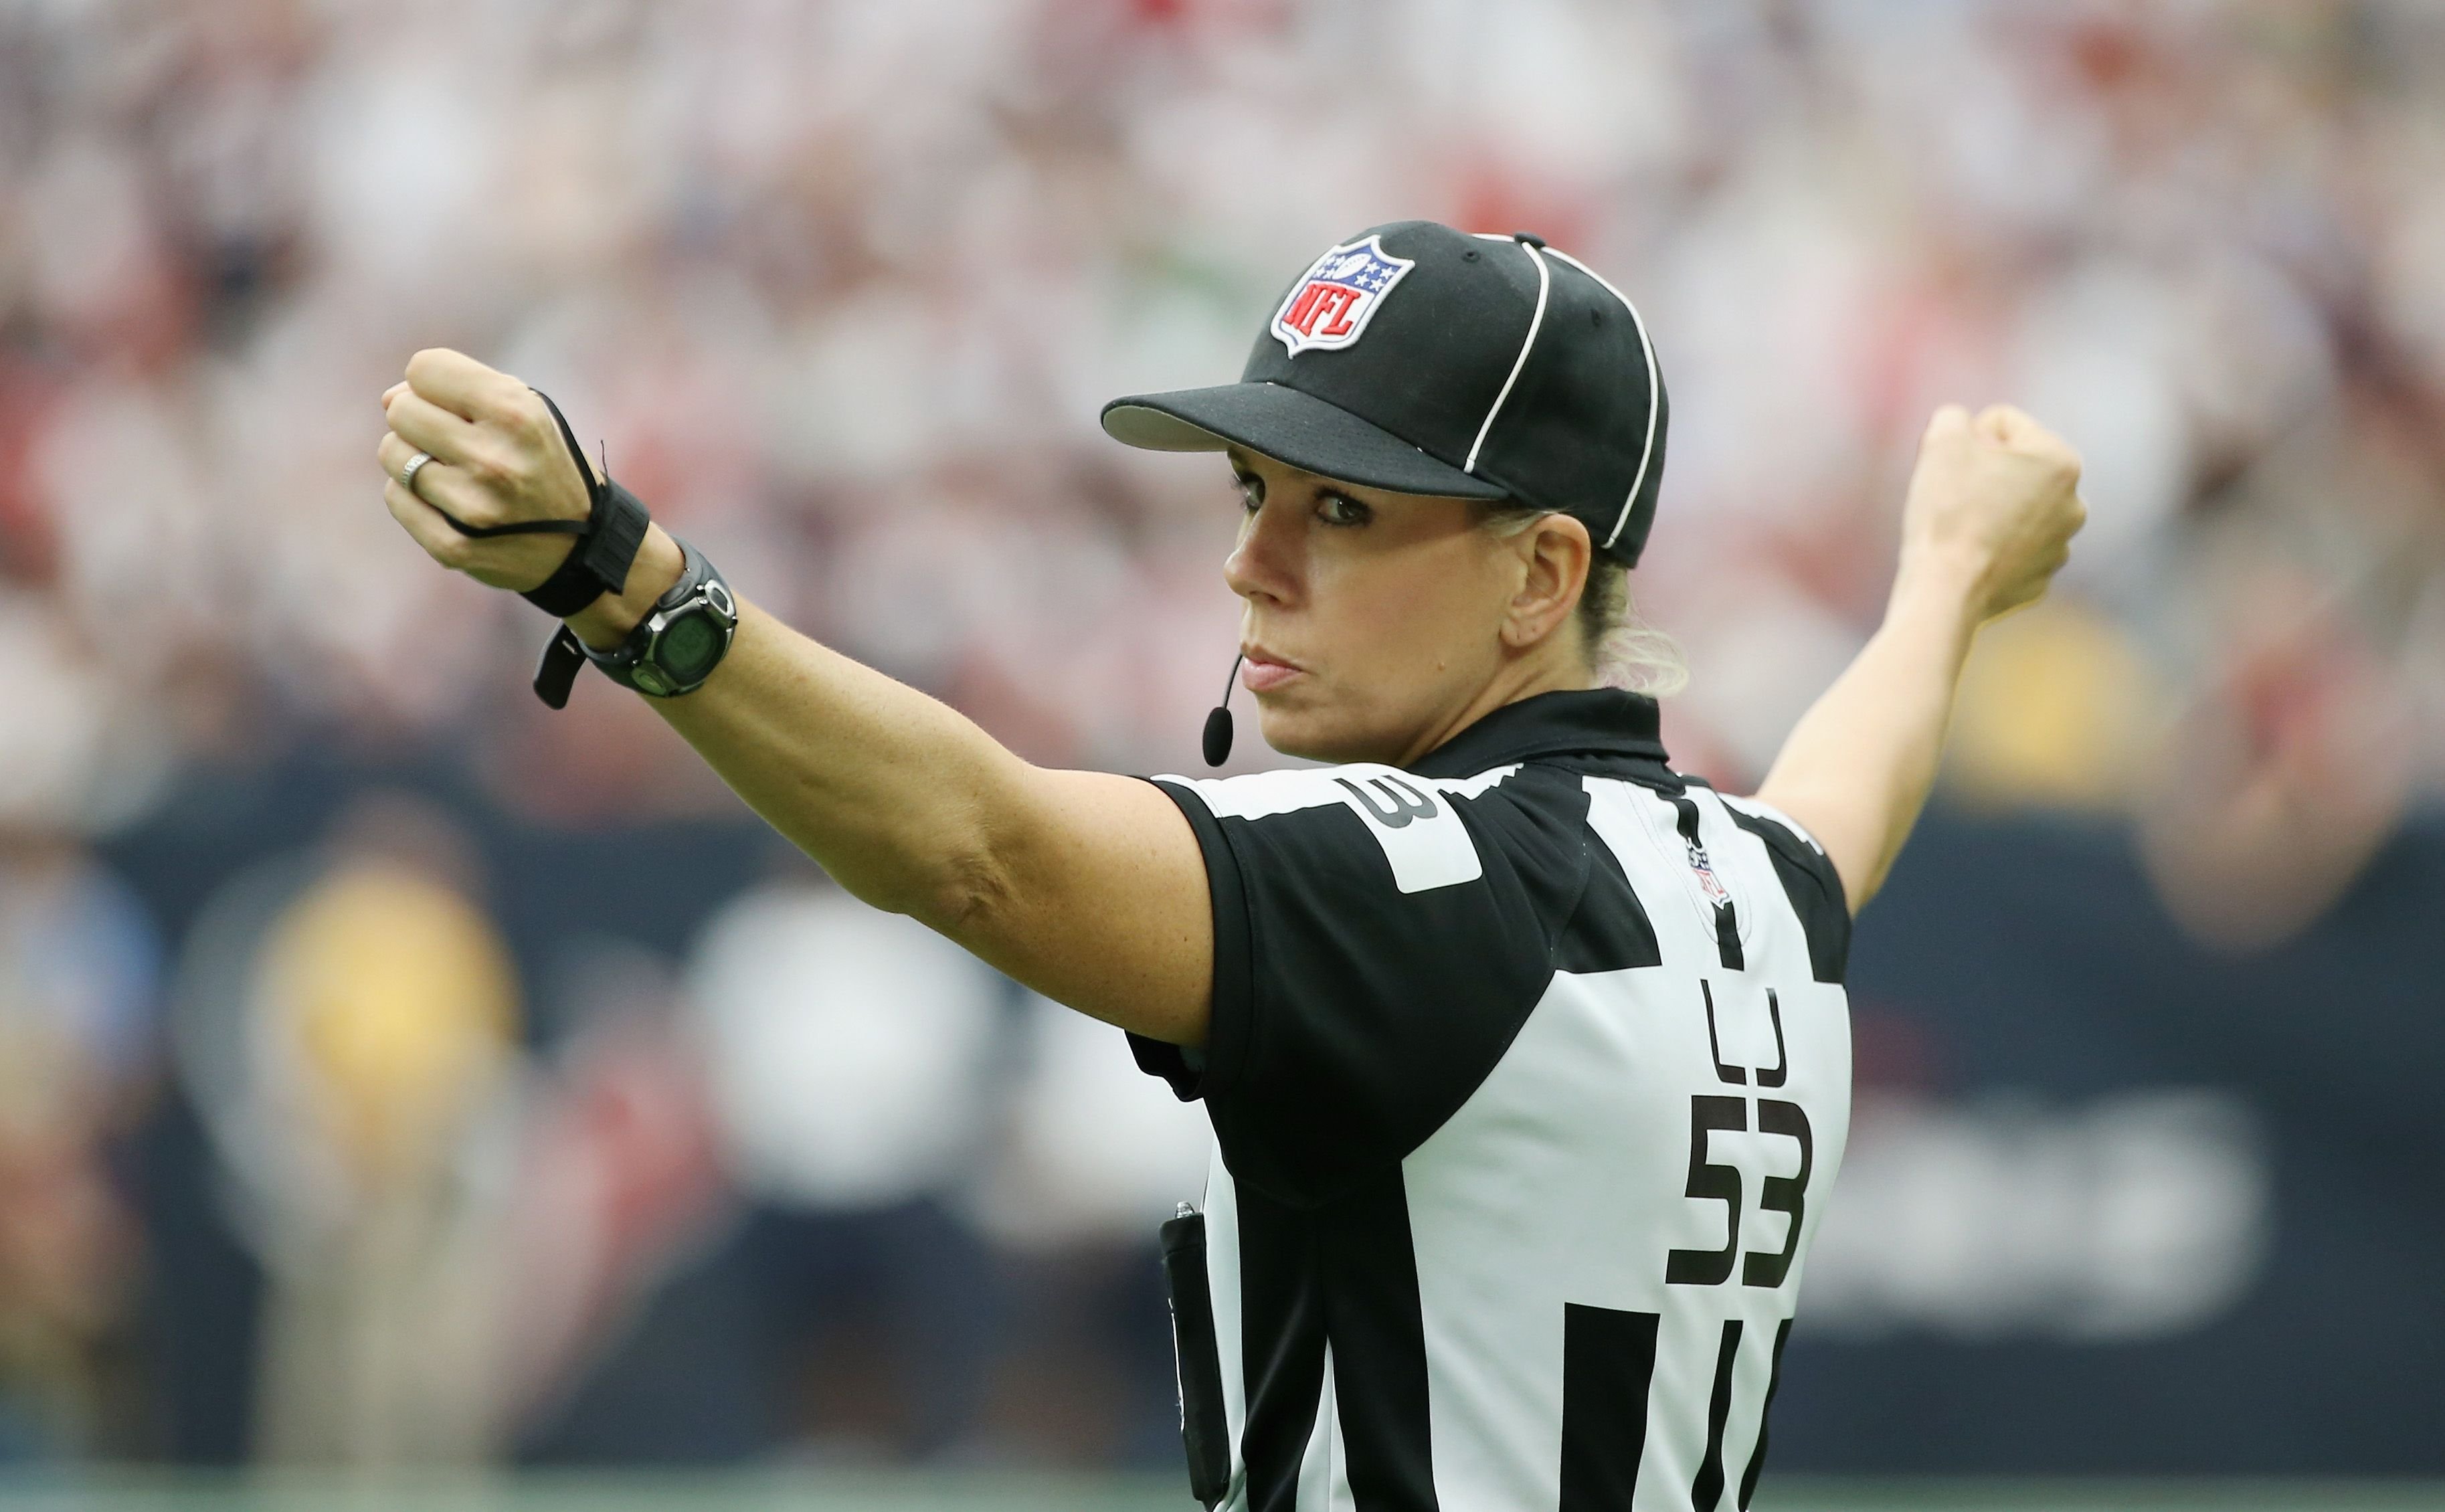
(1608,931)
(1815,889)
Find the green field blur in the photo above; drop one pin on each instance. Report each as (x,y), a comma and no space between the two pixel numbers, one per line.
(808,1491)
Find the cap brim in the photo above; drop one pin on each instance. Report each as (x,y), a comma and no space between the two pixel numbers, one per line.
(1292,427)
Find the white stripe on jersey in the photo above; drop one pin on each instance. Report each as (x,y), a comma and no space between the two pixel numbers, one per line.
(1222,1276)
(1426,849)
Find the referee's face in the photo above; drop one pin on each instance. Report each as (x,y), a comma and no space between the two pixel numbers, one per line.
(1374,622)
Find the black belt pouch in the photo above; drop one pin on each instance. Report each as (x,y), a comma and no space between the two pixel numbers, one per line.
(1203,1429)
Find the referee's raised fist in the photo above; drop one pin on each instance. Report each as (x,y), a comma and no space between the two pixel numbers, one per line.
(1994,505)
(493,457)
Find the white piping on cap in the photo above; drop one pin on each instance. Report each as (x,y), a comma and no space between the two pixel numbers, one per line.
(1647,452)
(1545,282)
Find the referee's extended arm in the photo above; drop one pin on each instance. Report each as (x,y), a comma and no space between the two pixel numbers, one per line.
(1084,885)
(1091,888)
(1994,505)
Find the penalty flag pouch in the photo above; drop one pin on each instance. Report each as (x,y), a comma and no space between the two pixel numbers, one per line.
(1205,1433)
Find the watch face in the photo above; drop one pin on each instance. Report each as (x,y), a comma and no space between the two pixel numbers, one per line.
(690,646)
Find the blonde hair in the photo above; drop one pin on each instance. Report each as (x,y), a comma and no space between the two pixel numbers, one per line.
(1623,651)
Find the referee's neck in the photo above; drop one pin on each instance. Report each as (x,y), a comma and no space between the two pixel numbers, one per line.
(1524,677)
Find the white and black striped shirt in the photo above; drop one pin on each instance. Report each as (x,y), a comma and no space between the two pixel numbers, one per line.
(1529,1067)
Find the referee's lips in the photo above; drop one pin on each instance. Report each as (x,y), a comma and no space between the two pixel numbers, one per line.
(1261,671)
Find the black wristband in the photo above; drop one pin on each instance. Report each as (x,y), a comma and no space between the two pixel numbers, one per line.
(599,562)
(607,543)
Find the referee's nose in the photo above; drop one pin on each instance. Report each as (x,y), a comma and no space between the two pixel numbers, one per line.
(1264,564)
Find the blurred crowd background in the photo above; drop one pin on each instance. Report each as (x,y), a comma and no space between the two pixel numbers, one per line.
(392,1071)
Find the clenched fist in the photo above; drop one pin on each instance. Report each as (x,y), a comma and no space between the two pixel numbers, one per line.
(1994,501)
(498,458)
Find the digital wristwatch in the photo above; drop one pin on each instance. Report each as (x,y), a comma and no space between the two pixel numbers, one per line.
(680,640)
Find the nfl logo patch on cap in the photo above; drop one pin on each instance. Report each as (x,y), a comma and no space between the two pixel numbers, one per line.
(1329,306)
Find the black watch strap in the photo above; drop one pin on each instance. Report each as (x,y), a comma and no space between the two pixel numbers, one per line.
(563,656)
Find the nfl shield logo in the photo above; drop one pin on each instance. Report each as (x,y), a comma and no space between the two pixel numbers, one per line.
(1330,304)
(1708,883)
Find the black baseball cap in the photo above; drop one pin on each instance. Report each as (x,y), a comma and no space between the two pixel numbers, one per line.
(1423,360)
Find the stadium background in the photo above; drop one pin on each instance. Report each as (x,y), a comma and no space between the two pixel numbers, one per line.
(397,1079)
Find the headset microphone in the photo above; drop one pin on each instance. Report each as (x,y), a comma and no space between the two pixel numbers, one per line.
(1217,721)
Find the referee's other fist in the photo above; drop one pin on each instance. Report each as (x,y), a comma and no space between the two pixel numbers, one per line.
(497,458)
(1993,504)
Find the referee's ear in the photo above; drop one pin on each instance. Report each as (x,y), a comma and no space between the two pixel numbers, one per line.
(1554,557)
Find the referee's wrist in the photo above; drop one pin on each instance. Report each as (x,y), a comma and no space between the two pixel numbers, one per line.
(1954,579)
(607,621)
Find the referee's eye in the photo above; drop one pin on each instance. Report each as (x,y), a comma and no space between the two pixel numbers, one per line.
(1340,509)
(1251,491)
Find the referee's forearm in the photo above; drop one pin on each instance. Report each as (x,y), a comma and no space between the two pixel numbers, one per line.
(892,793)
(1857,767)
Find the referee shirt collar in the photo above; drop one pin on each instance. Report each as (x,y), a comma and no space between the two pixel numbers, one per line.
(1591,720)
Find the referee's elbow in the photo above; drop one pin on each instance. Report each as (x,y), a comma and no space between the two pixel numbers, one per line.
(960,896)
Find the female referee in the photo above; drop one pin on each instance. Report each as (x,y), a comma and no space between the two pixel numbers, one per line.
(1528,1059)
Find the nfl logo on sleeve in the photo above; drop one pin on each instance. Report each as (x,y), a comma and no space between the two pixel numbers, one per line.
(1329,306)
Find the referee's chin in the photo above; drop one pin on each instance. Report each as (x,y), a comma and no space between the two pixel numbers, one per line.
(1312,731)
